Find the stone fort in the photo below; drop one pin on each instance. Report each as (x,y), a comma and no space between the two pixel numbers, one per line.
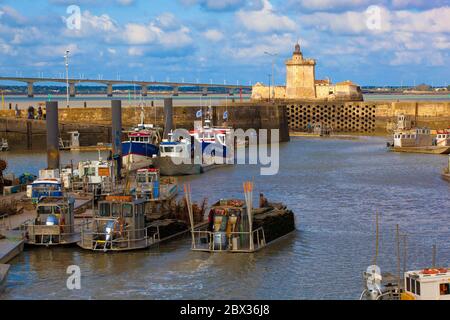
(301,84)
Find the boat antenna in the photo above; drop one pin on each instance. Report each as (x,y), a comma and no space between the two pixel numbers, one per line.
(248,193)
(142,115)
(404,253)
(376,239)
(187,194)
(397,238)
(433,262)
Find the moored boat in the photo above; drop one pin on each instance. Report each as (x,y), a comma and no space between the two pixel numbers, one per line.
(418,140)
(234,226)
(54,223)
(120,224)
(141,147)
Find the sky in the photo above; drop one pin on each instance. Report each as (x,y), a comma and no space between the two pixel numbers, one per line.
(385,42)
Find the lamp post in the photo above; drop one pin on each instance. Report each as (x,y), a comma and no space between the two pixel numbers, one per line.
(273,55)
(66,59)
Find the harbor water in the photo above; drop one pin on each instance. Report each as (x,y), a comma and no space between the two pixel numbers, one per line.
(334,186)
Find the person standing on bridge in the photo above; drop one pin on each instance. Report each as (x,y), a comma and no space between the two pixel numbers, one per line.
(40,113)
(17,111)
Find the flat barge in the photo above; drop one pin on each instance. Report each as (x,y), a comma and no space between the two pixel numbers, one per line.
(234,226)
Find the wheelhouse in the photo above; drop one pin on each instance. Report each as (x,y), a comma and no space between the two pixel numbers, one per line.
(45,188)
(119,224)
(54,223)
(427,284)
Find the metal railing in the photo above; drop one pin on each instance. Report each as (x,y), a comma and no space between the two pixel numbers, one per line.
(30,231)
(5,222)
(119,240)
(203,240)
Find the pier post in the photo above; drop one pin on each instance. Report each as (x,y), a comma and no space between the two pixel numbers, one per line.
(30,90)
(168,116)
(52,134)
(72,90)
(116,111)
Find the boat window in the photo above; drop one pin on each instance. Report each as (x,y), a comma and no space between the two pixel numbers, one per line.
(168,149)
(44,209)
(139,209)
(56,209)
(408,284)
(105,210)
(418,288)
(444,289)
(141,178)
(413,286)
(128,210)
(116,209)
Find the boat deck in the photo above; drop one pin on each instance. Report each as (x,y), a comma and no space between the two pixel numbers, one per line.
(426,150)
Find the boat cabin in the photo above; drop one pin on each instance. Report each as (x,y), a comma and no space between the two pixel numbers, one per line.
(443,138)
(228,230)
(427,284)
(419,137)
(46,188)
(54,223)
(119,224)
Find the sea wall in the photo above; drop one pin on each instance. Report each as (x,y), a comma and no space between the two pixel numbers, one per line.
(94,124)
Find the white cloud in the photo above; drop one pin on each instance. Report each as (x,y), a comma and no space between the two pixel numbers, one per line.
(92,25)
(213,35)
(140,34)
(331,4)
(265,19)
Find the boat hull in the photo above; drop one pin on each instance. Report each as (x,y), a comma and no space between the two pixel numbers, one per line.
(137,152)
(427,150)
(167,167)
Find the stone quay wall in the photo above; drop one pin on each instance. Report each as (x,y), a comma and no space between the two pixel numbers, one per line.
(94,124)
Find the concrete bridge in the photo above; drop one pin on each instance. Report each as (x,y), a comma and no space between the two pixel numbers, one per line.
(109,85)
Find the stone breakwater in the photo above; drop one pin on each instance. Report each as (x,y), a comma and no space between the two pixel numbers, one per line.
(367,117)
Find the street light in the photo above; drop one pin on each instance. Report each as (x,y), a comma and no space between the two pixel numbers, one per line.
(273,55)
(66,59)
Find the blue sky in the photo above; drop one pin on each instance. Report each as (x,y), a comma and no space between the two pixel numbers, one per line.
(386,42)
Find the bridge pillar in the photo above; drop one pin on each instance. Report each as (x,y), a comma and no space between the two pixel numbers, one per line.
(30,90)
(72,90)
(109,90)
(204,91)
(144,90)
(175,91)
